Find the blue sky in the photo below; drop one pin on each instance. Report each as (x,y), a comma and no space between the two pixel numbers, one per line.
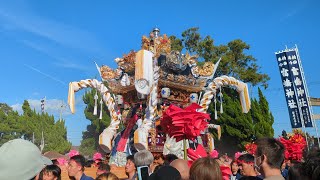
(46,44)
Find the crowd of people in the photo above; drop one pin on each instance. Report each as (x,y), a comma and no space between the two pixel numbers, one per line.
(22,160)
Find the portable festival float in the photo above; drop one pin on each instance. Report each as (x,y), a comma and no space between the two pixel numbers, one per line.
(161,97)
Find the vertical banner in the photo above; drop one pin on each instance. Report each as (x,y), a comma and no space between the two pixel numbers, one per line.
(294,88)
(298,82)
(289,91)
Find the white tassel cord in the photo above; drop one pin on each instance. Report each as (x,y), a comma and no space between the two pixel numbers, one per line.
(211,89)
(106,97)
(215,108)
(221,106)
(95,104)
(101,110)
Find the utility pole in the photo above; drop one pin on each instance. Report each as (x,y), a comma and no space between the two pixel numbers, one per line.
(42,111)
(61,109)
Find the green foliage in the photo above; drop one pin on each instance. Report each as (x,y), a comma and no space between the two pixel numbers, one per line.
(237,128)
(30,125)
(11,126)
(5,108)
(206,49)
(58,137)
(264,125)
(235,62)
(90,137)
(176,43)
(88,146)
(191,39)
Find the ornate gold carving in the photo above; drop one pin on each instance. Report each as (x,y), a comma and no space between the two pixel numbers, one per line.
(178,95)
(181,79)
(107,73)
(127,62)
(162,73)
(159,45)
(162,45)
(145,43)
(153,135)
(191,59)
(191,80)
(175,62)
(206,69)
(178,62)
(195,71)
(170,77)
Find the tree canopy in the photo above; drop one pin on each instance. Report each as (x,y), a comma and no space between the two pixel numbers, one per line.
(235,60)
(11,126)
(237,128)
(30,125)
(90,137)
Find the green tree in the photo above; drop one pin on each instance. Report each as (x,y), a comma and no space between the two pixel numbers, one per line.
(56,137)
(237,128)
(265,128)
(88,146)
(5,108)
(90,137)
(235,62)
(11,126)
(55,133)
(30,125)
(191,38)
(257,118)
(176,43)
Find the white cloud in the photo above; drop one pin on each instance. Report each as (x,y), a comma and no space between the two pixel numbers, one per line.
(45,74)
(66,63)
(37,47)
(17,107)
(52,106)
(61,62)
(294,11)
(35,94)
(23,19)
(289,15)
